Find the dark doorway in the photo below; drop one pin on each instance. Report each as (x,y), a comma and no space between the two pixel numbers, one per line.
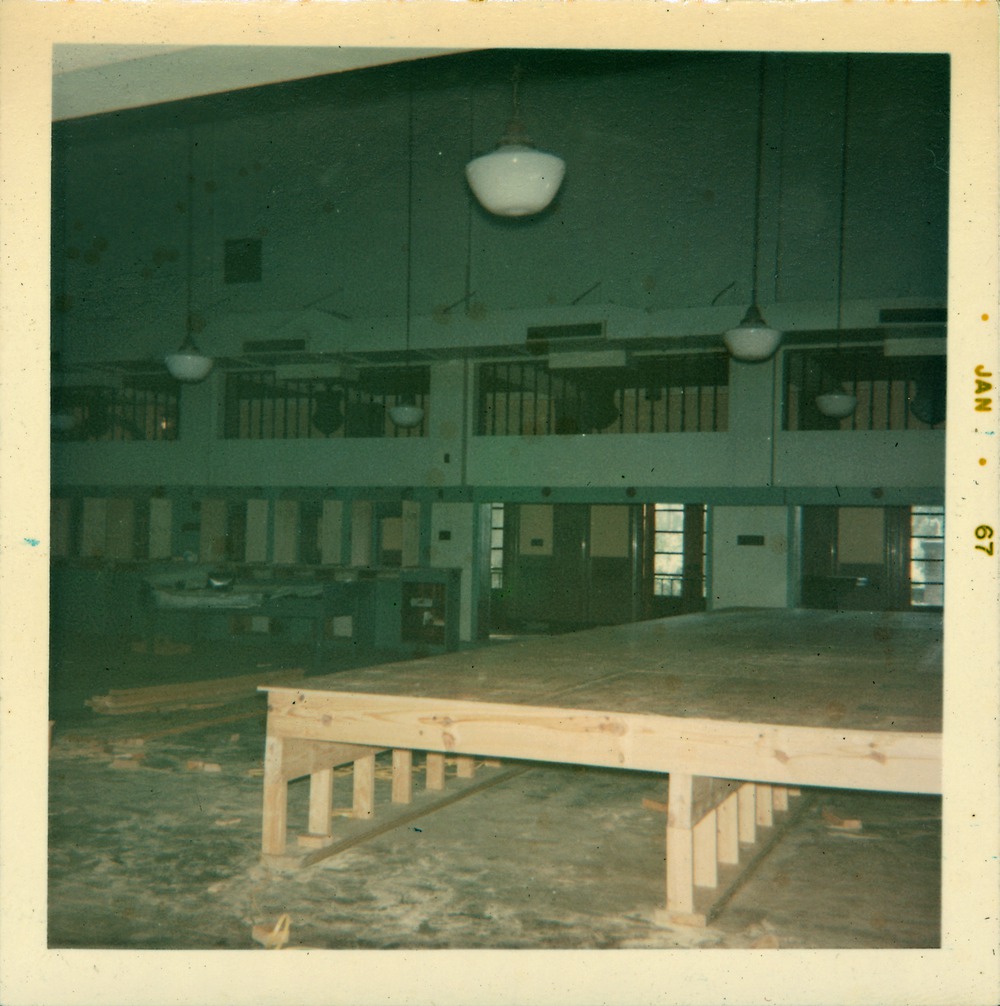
(856,558)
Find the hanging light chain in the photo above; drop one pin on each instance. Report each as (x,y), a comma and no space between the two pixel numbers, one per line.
(758,185)
(843,199)
(409,218)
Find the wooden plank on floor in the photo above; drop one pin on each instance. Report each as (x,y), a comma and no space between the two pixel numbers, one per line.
(182,694)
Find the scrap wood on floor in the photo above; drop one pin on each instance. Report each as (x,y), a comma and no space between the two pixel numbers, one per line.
(188,694)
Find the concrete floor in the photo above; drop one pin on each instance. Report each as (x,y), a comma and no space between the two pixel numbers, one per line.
(165,856)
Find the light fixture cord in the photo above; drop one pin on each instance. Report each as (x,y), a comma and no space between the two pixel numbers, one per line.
(190,232)
(516,104)
(468,204)
(759,179)
(409,218)
(843,199)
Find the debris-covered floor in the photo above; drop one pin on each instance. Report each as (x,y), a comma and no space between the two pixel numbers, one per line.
(155,830)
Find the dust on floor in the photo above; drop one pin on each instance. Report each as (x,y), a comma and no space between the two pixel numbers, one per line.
(154,844)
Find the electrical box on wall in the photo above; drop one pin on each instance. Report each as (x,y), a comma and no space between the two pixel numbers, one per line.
(750,539)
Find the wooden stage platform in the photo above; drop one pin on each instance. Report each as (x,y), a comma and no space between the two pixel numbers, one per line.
(739,708)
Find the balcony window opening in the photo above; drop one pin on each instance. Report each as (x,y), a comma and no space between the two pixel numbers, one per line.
(655,394)
(264,406)
(892,392)
(142,408)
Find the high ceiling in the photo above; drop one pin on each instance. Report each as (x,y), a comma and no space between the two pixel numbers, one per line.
(91,79)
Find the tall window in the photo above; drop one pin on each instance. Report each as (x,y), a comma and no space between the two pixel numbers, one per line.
(927,556)
(496,546)
(669,552)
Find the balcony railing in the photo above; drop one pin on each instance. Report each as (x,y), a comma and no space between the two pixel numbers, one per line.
(893,393)
(263,406)
(655,394)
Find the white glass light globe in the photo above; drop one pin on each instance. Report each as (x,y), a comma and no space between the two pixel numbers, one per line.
(836,404)
(515,180)
(406,415)
(188,366)
(751,343)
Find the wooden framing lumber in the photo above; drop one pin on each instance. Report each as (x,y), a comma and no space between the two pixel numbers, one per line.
(768,753)
(320,801)
(727,822)
(765,806)
(747,800)
(706,902)
(402,776)
(301,758)
(705,840)
(779,797)
(731,768)
(364,786)
(353,831)
(275,812)
(434,770)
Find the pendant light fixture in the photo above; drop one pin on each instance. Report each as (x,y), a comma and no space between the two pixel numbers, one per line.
(753,339)
(188,363)
(515,180)
(837,403)
(406,413)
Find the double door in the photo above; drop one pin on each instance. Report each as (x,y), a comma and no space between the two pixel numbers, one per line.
(571,565)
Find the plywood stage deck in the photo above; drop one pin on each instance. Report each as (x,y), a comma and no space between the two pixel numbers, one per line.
(736,707)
